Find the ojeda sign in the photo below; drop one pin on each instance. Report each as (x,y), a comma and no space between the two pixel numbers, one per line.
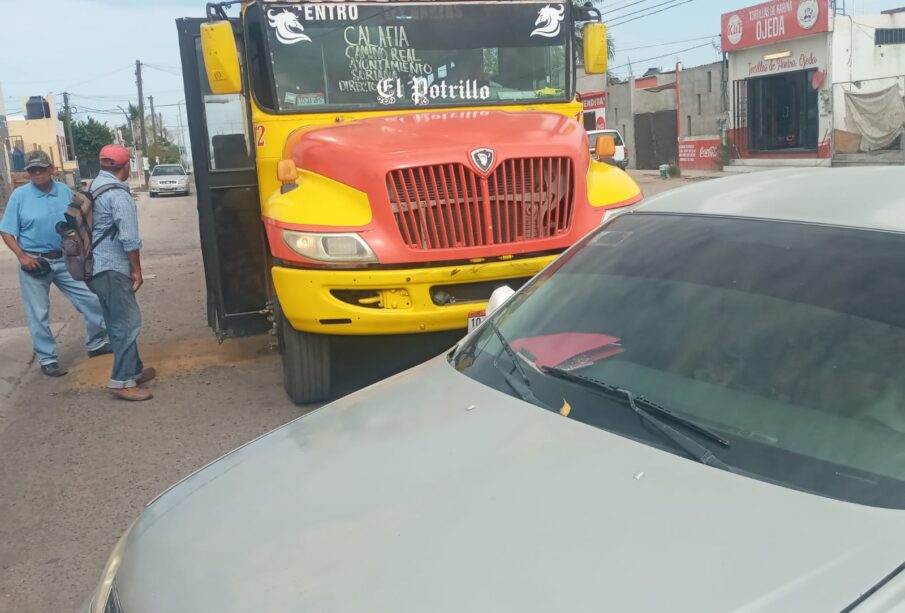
(774,21)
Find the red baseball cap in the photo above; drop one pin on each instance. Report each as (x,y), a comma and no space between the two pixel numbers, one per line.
(114,156)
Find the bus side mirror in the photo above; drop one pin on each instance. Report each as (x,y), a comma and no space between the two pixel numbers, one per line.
(221,57)
(595,51)
(605,147)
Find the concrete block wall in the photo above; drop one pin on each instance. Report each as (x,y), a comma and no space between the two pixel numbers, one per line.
(700,93)
(620,114)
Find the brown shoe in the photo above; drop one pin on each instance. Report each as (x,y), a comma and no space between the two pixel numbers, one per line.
(134,394)
(146,375)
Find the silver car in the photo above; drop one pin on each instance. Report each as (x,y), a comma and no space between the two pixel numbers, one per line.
(699,408)
(169,179)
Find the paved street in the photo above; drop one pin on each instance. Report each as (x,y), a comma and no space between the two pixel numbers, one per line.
(76,465)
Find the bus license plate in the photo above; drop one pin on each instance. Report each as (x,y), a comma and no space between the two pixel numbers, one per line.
(475,319)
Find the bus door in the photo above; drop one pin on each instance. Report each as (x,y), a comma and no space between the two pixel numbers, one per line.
(233,245)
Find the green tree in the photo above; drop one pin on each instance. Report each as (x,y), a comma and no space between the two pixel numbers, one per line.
(167,152)
(128,129)
(89,137)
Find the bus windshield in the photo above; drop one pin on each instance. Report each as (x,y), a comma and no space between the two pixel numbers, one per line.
(356,56)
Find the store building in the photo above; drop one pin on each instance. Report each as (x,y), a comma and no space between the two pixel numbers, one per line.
(591,90)
(593,110)
(788,63)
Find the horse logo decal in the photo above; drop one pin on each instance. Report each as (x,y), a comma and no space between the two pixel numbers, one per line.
(289,30)
(482,159)
(549,21)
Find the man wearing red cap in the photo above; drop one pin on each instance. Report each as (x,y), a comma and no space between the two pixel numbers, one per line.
(117,273)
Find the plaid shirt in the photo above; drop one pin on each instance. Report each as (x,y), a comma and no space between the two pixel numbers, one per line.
(114,207)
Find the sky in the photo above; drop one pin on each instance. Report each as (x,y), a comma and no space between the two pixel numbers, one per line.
(89,47)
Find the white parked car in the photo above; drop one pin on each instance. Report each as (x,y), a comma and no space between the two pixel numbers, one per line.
(620,158)
(699,408)
(169,179)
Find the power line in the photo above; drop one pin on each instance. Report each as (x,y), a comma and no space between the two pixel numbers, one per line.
(165,69)
(619,23)
(616,9)
(639,11)
(660,57)
(672,42)
(100,76)
(84,79)
(104,97)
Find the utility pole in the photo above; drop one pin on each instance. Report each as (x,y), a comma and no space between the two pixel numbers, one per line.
(181,135)
(153,120)
(70,143)
(141,119)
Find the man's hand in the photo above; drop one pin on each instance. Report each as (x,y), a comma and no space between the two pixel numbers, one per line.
(136,279)
(28,262)
(135,266)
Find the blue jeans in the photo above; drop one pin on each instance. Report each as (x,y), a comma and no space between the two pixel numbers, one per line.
(36,296)
(114,290)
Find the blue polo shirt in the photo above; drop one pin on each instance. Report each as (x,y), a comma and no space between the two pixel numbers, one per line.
(32,215)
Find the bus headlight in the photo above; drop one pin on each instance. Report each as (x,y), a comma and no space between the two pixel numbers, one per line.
(329,247)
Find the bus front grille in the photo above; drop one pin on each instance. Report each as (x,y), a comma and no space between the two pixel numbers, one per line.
(450,206)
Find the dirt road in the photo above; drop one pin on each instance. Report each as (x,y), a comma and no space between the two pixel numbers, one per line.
(76,465)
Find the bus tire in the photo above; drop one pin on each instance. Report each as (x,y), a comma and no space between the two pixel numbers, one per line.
(306,364)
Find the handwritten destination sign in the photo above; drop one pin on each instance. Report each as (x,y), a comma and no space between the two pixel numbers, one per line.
(376,53)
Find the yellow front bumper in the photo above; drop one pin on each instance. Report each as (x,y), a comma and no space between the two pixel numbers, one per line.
(405,305)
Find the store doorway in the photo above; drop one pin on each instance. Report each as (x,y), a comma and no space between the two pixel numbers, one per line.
(782,112)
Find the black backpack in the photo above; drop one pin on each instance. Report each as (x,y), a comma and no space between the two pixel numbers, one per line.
(75,232)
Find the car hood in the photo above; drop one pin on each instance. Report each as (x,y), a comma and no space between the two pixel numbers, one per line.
(432,492)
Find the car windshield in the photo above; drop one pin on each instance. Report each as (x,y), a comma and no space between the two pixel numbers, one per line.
(378,55)
(787,339)
(167,171)
(593,136)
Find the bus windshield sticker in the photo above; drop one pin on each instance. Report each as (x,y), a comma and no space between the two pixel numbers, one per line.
(549,20)
(287,27)
(303,99)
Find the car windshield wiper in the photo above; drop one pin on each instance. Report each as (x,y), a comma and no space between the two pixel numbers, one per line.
(520,384)
(654,415)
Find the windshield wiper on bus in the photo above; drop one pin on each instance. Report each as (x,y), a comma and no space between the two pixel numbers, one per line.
(520,384)
(654,415)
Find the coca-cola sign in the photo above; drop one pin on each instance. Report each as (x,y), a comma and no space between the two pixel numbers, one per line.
(774,21)
(699,154)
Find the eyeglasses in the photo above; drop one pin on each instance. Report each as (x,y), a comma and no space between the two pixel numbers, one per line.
(36,170)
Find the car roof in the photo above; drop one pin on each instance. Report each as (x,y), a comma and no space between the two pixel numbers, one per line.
(603,131)
(866,197)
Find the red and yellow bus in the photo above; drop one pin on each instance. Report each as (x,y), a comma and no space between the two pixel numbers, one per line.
(374,167)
